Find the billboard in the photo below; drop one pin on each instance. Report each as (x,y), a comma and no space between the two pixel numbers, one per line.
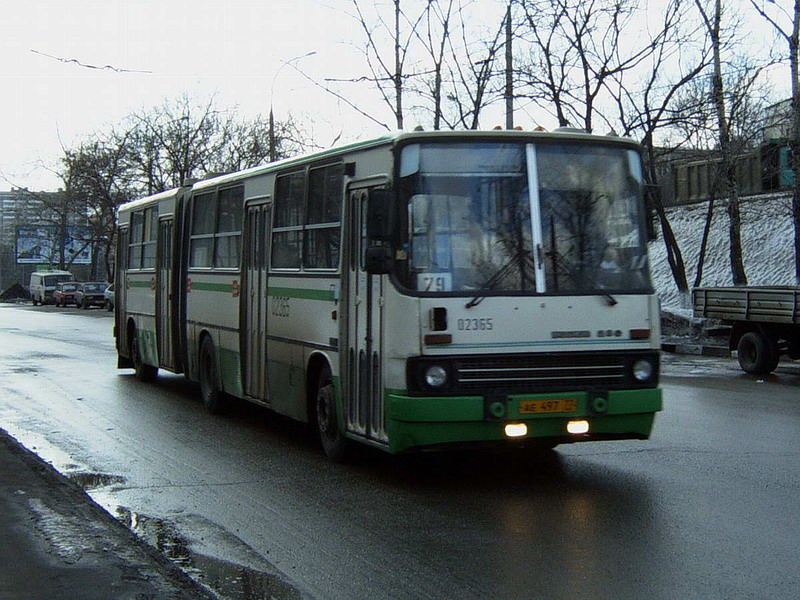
(39,244)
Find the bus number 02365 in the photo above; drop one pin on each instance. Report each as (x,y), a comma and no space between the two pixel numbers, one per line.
(475,324)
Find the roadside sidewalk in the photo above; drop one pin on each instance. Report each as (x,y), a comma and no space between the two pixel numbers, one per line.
(58,544)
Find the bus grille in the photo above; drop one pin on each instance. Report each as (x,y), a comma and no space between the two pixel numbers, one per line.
(535,373)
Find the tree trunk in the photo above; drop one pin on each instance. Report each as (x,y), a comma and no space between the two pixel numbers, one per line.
(730,180)
(674,255)
(704,242)
(398,67)
(794,48)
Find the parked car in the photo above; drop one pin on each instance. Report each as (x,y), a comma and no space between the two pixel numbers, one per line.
(43,284)
(109,296)
(90,293)
(65,293)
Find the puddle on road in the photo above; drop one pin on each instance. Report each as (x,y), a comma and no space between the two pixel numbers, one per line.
(229,580)
(93,481)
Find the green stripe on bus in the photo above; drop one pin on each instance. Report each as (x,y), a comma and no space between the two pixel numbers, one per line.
(211,287)
(139,284)
(301,293)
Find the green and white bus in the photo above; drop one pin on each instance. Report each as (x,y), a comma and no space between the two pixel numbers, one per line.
(421,290)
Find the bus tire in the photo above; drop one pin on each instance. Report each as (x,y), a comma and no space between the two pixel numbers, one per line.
(333,442)
(144,372)
(757,353)
(210,390)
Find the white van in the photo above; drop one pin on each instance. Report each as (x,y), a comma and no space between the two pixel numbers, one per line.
(44,282)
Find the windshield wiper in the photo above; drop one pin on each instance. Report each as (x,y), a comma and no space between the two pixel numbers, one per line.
(559,264)
(498,276)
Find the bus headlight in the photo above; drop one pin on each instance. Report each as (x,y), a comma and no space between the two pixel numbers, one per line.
(642,370)
(435,376)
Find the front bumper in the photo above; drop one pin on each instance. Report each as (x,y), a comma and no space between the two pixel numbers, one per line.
(415,422)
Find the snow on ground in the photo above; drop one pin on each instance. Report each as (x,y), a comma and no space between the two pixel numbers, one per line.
(767,238)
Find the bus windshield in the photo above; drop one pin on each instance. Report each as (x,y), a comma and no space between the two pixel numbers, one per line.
(491,217)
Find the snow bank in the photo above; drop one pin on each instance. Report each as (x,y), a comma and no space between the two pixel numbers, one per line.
(766,241)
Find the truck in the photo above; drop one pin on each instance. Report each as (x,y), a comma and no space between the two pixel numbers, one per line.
(764,322)
(43,283)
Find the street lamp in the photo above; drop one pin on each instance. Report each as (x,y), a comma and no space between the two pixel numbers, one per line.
(284,63)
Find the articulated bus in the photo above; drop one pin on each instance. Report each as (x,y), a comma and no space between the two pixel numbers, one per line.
(417,291)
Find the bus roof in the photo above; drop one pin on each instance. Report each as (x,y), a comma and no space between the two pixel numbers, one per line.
(563,133)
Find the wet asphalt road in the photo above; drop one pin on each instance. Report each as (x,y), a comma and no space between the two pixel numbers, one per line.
(708,508)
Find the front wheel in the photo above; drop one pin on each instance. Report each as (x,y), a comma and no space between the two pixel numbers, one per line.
(333,442)
(213,397)
(144,372)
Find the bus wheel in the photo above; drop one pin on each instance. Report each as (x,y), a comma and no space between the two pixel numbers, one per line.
(333,442)
(757,354)
(144,372)
(209,386)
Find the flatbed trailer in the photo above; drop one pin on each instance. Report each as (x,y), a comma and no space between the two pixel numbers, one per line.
(764,322)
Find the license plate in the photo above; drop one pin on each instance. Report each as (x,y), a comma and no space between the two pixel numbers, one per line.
(552,405)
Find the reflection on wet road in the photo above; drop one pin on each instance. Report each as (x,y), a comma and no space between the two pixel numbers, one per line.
(706,508)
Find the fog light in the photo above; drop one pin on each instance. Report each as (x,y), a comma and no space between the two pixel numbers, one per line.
(516,429)
(578,427)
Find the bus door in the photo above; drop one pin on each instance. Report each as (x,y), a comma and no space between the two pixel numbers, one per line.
(253,295)
(362,382)
(121,292)
(165,312)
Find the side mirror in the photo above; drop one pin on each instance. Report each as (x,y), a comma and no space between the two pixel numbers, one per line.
(379,226)
(378,260)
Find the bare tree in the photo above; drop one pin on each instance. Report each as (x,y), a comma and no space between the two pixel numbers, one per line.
(388,68)
(789,32)
(456,86)
(246,144)
(472,71)
(99,173)
(577,54)
(183,139)
(711,14)
(650,105)
(435,38)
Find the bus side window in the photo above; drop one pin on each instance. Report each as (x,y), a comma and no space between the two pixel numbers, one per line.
(137,231)
(202,234)
(288,228)
(325,187)
(229,227)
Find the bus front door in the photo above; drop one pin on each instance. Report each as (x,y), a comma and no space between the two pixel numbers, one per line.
(362,365)
(253,296)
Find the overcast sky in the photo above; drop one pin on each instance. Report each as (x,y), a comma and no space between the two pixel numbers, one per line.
(157,49)
(233,49)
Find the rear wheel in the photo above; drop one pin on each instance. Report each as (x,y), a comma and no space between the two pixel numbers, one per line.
(757,353)
(213,397)
(333,442)
(144,372)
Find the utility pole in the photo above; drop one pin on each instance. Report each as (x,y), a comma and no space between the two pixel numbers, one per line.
(509,92)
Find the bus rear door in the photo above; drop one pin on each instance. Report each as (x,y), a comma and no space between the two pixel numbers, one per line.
(253,296)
